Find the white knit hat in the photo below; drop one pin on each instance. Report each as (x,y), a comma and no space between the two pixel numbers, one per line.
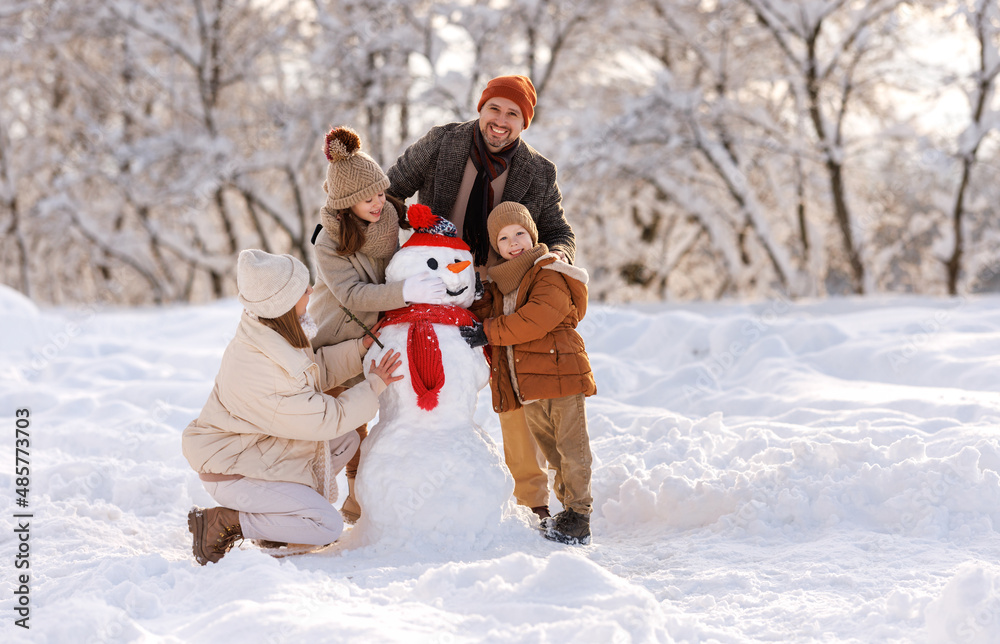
(270,285)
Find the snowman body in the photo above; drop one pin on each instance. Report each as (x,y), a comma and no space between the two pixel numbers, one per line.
(428,472)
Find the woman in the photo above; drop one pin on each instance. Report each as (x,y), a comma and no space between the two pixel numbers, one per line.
(269,443)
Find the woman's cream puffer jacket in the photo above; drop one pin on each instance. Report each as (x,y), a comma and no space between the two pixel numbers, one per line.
(267,417)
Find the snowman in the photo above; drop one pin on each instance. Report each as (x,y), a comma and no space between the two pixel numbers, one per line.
(428,472)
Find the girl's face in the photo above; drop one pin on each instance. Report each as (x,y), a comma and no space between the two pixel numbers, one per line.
(371,209)
(300,306)
(512,240)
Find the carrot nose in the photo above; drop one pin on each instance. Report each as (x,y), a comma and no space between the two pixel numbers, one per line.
(458,267)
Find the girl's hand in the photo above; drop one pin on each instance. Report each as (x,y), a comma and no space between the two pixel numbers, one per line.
(368,341)
(384,370)
(424,289)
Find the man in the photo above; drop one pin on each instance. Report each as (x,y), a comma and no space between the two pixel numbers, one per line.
(463,170)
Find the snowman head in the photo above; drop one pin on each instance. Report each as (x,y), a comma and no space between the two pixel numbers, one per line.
(435,248)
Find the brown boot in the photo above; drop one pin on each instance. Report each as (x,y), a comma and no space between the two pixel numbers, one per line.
(214,532)
(541,511)
(351,511)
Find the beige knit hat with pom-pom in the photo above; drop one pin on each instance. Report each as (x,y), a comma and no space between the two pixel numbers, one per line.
(352,175)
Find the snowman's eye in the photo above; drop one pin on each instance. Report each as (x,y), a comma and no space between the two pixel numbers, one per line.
(457,260)
(432,263)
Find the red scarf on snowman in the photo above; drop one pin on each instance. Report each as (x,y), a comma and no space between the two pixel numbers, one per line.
(423,350)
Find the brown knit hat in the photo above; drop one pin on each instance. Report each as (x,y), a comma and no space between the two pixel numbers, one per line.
(352,175)
(507,213)
(515,88)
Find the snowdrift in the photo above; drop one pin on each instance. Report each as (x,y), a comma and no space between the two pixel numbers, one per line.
(804,472)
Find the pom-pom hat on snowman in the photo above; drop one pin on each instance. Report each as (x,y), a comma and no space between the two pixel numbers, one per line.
(434,247)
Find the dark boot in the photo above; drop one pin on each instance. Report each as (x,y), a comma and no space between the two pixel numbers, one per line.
(214,532)
(568,527)
(542,511)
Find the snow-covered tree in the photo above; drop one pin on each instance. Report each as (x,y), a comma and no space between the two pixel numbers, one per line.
(706,148)
(700,152)
(746,137)
(983,17)
(169,136)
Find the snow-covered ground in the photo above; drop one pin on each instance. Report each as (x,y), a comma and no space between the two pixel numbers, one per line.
(812,472)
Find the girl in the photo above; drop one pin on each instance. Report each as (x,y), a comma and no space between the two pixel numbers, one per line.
(358,235)
(268,443)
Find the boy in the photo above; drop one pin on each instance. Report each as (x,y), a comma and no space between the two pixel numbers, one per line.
(532,305)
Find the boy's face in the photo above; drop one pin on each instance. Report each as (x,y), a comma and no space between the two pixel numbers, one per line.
(512,240)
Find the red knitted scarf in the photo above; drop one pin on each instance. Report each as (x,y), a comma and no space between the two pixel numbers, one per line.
(422,347)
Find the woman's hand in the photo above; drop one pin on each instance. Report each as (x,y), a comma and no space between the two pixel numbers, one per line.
(384,370)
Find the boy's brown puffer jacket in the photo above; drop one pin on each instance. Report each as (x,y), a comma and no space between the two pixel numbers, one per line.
(550,359)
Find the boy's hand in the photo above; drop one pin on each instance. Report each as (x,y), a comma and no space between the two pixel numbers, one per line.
(474,335)
(384,370)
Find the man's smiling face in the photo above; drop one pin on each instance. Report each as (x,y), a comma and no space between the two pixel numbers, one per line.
(501,122)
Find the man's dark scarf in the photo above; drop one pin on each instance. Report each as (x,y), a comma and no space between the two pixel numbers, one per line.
(489,166)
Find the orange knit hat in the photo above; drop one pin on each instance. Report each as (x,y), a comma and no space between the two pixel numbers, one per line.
(514,88)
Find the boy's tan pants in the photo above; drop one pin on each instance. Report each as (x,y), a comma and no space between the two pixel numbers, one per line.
(559,426)
(524,460)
